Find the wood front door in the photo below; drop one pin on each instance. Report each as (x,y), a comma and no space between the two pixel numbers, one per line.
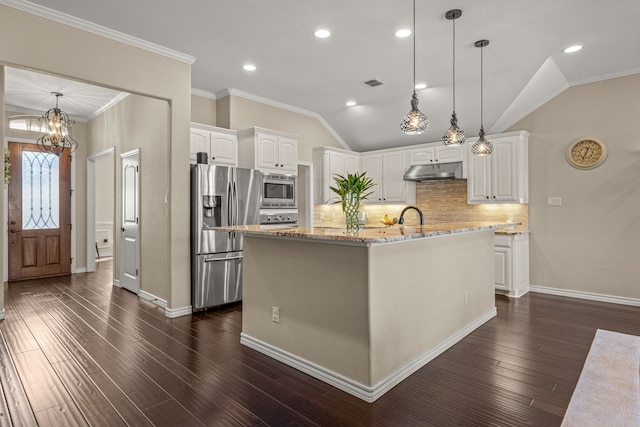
(39,213)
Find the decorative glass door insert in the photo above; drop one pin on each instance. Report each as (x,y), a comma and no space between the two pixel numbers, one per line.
(40,190)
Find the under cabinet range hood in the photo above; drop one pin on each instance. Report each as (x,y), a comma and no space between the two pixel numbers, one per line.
(434,171)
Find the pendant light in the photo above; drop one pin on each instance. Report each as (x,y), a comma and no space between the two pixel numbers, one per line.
(482,147)
(454,135)
(58,137)
(415,122)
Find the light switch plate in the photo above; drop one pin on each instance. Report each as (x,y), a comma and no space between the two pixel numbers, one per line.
(554,201)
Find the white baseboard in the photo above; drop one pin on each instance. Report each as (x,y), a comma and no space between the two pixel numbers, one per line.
(366,393)
(80,270)
(154,299)
(105,254)
(177,312)
(2,314)
(586,295)
(116,283)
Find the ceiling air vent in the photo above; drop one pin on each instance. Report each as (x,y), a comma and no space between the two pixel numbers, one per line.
(373,83)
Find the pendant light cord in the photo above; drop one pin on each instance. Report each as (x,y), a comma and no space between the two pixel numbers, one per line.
(454,65)
(414,46)
(482,88)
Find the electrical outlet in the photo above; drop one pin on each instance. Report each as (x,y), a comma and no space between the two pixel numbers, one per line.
(466,297)
(554,201)
(275,314)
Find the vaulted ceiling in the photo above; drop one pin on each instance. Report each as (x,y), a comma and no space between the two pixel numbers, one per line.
(524,63)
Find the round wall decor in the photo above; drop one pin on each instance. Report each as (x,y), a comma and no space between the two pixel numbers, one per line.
(586,152)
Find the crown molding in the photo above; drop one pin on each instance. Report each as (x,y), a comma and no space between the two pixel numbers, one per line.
(81,24)
(32,112)
(114,101)
(603,77)
(203,94)
(283,106)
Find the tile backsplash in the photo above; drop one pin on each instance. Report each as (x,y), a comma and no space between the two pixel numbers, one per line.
(440,201)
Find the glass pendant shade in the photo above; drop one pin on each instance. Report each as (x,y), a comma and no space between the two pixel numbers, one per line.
(454,135)
(58,135)
(482,147)
(415,122)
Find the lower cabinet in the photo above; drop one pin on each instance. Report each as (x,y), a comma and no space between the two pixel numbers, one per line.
(511,254)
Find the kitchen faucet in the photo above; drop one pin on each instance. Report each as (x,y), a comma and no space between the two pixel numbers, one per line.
(401,220)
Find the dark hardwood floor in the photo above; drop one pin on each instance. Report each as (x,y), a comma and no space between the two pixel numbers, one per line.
(87,353)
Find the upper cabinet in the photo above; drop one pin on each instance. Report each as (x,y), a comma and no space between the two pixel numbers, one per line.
(436,153)
(387,171)
(268,150)
(327,162)
(221,145)
(502,176)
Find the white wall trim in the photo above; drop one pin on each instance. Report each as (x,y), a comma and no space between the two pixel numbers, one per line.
(116,283)
(81,24)
(177,312)
(154,299)
(2,314)
(586,295)
(283,106)
(366,393)
(80,270)
(203,93)
(610,76)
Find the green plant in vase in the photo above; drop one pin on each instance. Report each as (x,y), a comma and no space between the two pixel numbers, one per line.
(352,189)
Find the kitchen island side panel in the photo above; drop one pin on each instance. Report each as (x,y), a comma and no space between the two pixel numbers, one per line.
(321,290)
(417,295)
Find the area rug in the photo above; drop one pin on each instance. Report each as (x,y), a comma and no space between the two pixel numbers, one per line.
(608,391)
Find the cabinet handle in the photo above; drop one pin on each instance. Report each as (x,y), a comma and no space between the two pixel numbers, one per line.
(431,160)
(494,197)
(487,197)
(277,165)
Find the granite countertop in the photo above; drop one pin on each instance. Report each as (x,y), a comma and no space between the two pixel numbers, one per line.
(368,236)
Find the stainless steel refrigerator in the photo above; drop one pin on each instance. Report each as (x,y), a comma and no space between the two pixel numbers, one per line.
(220,196)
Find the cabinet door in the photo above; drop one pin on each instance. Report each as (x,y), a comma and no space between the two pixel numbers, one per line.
(393,169)
(479,181)
(287,154)
(224,149)
(502,257)
(503,185)
(267,151)
(372,165)
(351,163)
(422,156)
(198,143)
(448,154)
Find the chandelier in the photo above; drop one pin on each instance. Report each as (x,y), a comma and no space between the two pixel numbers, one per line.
(58,135)
(415,122)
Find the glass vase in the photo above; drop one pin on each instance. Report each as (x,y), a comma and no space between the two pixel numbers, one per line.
(351,206)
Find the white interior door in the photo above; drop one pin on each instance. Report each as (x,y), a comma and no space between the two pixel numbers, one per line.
(130,221)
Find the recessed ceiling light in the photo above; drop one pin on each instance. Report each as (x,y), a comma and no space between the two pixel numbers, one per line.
(404,32)
(322,33)
(572,49)
(350,103)
(249,67)
(420,86)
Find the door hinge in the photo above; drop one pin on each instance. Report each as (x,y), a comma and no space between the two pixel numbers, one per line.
(137,168)
(70,260)
(136,272)
(136,220)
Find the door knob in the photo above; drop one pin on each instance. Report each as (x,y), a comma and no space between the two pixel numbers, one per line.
(122,229)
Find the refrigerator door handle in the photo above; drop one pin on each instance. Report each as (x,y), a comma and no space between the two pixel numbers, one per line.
(229,205)
(222,259)
(236,207)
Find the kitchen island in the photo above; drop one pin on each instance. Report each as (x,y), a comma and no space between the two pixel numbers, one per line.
(364,312)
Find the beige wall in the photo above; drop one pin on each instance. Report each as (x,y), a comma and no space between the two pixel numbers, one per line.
(245,113)
(203,110)
(103,61)
(590,243)
(4,187)
(140,122)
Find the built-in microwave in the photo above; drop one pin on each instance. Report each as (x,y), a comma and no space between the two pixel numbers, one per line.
(279,191)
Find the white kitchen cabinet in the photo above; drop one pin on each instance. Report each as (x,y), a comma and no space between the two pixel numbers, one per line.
(328,162)
(387,170)
(511,254)
(436,153)
(502,176)
(268,150)
(221,145)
